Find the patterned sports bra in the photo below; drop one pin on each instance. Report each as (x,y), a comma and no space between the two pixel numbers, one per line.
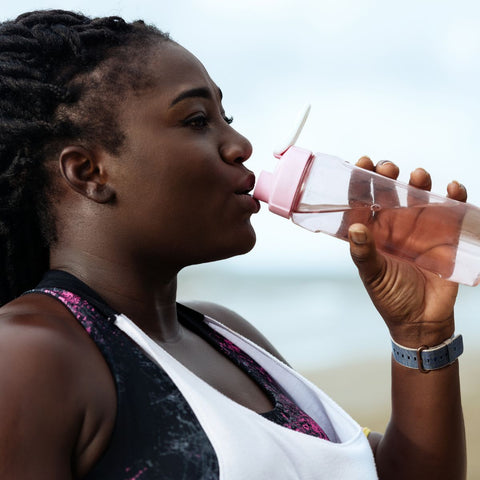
(156,433)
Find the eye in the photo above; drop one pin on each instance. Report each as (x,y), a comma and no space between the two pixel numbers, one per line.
(201,121)
(197,121)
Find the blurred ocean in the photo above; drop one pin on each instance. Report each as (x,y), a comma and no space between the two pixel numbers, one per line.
(315,321)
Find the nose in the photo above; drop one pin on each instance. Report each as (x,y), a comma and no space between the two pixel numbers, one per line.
(236,148)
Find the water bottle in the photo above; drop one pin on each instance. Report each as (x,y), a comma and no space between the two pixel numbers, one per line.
(323,193)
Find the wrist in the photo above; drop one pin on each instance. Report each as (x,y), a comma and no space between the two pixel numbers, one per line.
(426,357)
(416,335)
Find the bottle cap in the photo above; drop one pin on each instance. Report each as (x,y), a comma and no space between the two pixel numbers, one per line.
(280,189)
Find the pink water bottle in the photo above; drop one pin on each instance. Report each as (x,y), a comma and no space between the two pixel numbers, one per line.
(325,194)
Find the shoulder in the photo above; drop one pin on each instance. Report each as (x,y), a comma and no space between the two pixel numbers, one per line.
(236,322)
(41,331)
(47,372)
(33,332)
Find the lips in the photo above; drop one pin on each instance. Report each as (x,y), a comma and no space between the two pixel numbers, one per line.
(247,185)
(251,204)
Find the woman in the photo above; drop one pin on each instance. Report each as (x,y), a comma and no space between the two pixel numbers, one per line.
(119,168)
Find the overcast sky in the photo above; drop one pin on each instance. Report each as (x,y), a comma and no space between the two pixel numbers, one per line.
(394,80)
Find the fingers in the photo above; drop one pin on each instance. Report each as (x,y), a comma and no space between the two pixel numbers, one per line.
(420,178)
(385,193)
(372,191)
(359,196)
(388,169)
(366,163)
(457,191)
(363,252)
(359,188)
(385,168)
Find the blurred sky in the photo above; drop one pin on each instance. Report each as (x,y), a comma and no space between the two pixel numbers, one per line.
(394,80)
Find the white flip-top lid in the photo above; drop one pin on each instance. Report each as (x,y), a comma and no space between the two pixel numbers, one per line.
(281,188)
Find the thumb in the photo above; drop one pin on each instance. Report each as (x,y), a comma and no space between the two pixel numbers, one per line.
(370,264)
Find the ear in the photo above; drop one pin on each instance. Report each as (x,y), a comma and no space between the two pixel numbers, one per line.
(85,171)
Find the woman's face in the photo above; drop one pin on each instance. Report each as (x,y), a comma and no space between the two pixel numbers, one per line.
(181,185)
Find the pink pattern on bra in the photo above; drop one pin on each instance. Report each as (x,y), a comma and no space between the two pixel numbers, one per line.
(285,412)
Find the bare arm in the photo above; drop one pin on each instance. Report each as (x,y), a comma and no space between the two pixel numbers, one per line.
(57,399)
(425,437)
(37,423)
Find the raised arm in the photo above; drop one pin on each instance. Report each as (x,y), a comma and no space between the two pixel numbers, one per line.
(425,437)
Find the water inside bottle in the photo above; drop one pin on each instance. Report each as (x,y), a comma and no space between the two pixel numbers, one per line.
(441,238)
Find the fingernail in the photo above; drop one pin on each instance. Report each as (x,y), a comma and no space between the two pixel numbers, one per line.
(383,162)
(359,237)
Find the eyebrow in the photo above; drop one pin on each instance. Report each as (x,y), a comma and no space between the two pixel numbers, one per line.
(193,93)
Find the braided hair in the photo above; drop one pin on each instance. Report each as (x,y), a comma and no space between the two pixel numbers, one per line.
(58,73)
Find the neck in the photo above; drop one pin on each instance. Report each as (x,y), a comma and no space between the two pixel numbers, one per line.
(146,296)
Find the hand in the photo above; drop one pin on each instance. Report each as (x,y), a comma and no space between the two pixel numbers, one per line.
(414,227)
(416,305)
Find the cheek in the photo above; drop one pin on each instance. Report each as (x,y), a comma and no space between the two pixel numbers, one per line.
(179,185)
(201,186)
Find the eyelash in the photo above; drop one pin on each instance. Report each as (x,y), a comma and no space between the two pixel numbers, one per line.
(204,121)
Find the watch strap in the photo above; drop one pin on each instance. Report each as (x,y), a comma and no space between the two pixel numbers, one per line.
(426,359)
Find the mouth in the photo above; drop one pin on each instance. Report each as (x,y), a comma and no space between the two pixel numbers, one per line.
(245,190)
(247,185)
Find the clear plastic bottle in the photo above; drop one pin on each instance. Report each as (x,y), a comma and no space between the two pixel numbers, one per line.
(322,193)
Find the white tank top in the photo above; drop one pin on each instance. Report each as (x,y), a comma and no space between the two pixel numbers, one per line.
(250,447)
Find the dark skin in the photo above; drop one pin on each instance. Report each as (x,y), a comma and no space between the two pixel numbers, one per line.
(60,406)
(426,426)
(425,232)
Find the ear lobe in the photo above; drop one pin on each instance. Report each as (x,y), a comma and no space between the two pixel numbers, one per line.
(85,172)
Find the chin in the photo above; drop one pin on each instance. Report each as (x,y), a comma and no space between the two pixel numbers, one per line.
(245,250)
(240,245)
(241,248)
(248,242)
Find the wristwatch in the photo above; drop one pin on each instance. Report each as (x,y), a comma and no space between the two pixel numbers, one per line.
(426,359)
